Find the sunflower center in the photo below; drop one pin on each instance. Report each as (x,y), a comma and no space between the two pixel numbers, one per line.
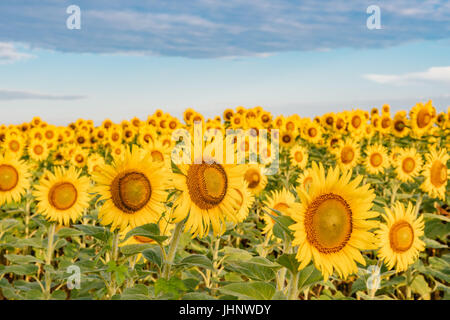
(329,121)
(131,191)
(376,159)
(63,196)
(356,121)
(423,118)
(286,139)
(408,165)
(157,156)
(401,236)
(207,184)
(312,132)
(340,123)
(347,155)
(9,177)
(298,156)
(438,174)
(399,125)
(253,178)
(14,146)
(328,223)
(38,149)
(385,123)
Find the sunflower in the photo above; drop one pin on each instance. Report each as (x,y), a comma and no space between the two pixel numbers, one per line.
(400,125)
(287,139)
(332,223)
(385,123)
(79,157)
(299,156)
(14,178)
(407,164)
(210,193)
(255,177)
(146,136)
(356,122)
(436,173)
(281,201)
(95,163)
(228,114)
(14,144)
(348,154)
(399,237)
(376,159)
(62,196)
(38,150)
(312,132)
(422,117)
(305,179)
(133,188)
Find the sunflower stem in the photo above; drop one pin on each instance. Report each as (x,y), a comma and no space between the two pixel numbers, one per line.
(48,261)
(418,203)
(293,287)
(172,249)
(408,284)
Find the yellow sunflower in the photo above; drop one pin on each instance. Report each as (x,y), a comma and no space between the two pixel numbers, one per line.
(376,159)
(348,154)
(255,177)
(399,237)
(299,156)
(304,180)
(210,194)
(422,117)
(407,164)
(38,150)
(14,179)
(62,196)
(281,201)
(436,173)
(133,188)
(332,223)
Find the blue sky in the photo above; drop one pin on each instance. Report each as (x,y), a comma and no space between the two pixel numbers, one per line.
(305,57)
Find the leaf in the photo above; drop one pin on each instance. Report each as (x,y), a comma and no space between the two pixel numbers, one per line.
(436,216)
(257,268)
(19,259)
(154,255)
(289,261)
(197,260)
(279,295)
(233,254)
(250,290)
(420,286)
(173,286)
(197,296)
(150,231)
(21,270)
(281,226)
(6,224)
(99,233)
(430,243)
(309,276)
(132,249)
(69,232)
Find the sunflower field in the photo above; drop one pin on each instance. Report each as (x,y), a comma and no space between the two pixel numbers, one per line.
(357,208)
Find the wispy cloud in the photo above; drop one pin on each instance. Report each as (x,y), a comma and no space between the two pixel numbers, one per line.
(9,53)
(433,74)
(30,95)
(212,28)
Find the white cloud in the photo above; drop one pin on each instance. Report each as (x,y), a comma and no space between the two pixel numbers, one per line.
(10,54)
(29,95)
(433,74)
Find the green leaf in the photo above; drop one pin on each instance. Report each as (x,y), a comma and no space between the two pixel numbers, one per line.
(257,268)
(250,290)
(150,231)
(173,287)
(197,260)
(21,270)
(236,254)
(132,249)
(154,255)
(100,233)
(281,227)
(430,243)
(69,232)
(19,259)
(289,261)
(59,295)
(308,277)
(420,286)
(197,296)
